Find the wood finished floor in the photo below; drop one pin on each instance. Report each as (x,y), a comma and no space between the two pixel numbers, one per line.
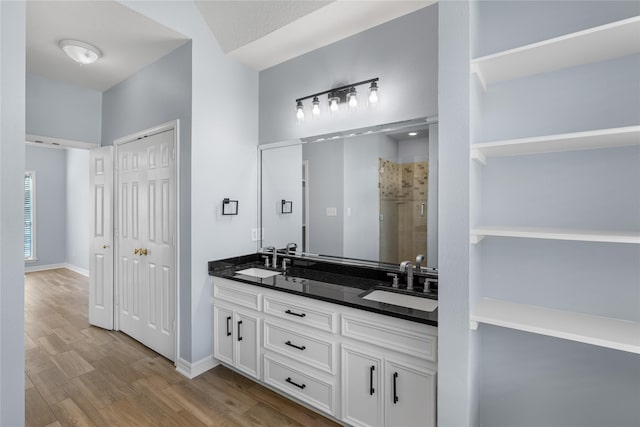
(80,375)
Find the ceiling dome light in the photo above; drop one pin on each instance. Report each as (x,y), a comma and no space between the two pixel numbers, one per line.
(315,110)
(299,111)
(373,93)
(82,53)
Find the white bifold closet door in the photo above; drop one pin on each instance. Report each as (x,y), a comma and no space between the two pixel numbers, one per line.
(146,224)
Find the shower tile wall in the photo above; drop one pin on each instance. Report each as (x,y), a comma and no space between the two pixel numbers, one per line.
(403,209)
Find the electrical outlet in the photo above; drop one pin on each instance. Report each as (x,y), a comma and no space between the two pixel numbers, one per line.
(254,234)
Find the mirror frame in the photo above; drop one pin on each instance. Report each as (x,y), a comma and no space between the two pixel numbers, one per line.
(387,127)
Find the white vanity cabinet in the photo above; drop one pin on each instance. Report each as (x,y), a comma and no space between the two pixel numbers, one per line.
(388,371)
(361,368)
(236,331)
(409,395)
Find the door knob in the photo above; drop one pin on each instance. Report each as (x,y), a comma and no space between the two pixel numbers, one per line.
(105,246)
(136,251)
(143,251)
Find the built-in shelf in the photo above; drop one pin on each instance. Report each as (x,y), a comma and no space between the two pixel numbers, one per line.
(601,43)
(479,233)
(602,138)
(601,331)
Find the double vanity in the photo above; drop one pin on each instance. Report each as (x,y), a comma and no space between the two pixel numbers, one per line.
(343,339)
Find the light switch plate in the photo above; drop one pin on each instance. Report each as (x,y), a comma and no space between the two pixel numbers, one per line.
(332,211)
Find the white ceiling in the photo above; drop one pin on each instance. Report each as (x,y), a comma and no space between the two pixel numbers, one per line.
(262,34)
(259,33)
(128,41)
(237,23)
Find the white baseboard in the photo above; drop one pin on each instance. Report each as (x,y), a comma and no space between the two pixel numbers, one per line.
(35,268)
(192,370)
(77,269)
(68,266)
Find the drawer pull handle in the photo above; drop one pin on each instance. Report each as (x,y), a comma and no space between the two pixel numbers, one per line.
(239,332)
(302,348)
(371,389)
(395,385)
(295,314)
(228,325)
(301,386)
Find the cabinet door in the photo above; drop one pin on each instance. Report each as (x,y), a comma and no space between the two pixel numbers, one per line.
(410,396)
(361,388)
(247,343)
(223,334)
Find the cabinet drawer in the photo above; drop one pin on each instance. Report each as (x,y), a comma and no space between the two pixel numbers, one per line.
(237,295)
(309,389)
(300,346)
(302,314)
(406,338)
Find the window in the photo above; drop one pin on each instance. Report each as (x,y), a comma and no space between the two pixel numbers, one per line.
(29,215)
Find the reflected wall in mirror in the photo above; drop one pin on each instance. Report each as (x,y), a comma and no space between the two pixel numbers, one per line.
(368,194)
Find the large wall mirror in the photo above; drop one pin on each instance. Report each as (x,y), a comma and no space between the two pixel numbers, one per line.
(368,194)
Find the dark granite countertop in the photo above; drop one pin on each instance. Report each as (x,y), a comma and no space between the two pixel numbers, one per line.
(332,282)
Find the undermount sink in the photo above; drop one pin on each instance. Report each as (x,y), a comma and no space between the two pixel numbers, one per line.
(258,272)
(403,300)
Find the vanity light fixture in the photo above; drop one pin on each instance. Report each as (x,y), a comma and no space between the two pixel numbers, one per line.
(81,52)
(352,98)
(344,94)
(300,111)
(315,110)
(413,133)
(373,92)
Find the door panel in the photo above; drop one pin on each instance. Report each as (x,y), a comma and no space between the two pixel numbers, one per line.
(361,392)
(148,223)
(100,250)
(247,344)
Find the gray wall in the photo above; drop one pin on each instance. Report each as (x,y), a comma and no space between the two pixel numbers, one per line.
(159,93)
(282,179)
(224,134)
(77,208)
(12,130)
(50,166)
(402,53)
(361,193)
(326,177)
(60,110)
(456,397)
(525,379)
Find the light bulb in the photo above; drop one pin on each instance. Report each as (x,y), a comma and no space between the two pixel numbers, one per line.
(373,93)
(315,110)
(353,98)
(334,104)
(300,111)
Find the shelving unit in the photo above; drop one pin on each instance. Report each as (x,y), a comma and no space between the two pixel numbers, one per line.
(601,331)
(602,138)
(600,43)
(479,233)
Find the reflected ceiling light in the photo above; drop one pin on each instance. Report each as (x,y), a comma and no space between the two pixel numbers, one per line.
(81,52)
(343,94)
(413,133)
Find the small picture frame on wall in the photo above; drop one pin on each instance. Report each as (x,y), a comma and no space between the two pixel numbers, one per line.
(286,206)
(229,207)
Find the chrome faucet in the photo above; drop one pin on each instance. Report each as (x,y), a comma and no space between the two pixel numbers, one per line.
(275,254)
(406,266)
(419,261)
(290,246)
